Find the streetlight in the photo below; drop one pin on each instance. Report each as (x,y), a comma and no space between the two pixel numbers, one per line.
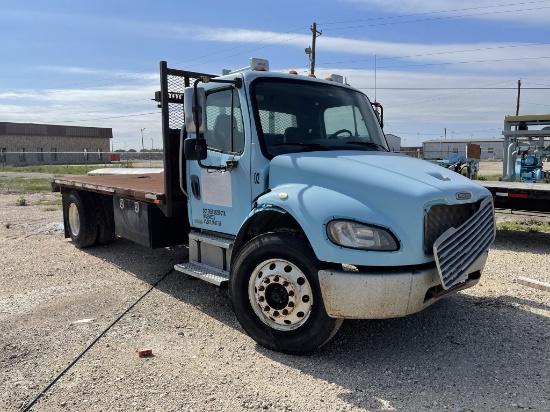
(151,154)
(142,145)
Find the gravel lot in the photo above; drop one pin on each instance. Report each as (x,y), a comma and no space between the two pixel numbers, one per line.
(484,349)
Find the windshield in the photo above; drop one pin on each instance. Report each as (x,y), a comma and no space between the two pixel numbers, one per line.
(297,116)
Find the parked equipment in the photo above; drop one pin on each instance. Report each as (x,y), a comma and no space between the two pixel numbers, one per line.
(522,185)
(524,147)
(467,165)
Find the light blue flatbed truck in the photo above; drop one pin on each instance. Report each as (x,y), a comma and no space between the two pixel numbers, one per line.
(284,189)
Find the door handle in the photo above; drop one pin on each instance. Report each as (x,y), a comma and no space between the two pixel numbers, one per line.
(196,187)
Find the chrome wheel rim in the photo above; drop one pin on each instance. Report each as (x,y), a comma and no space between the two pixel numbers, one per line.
(280,294)
(74,220)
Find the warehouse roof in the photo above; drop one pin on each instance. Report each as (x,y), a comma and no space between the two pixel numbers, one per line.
(33,129)
(472,140)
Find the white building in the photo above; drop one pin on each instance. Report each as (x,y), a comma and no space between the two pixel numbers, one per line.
(491,149)
(394,142)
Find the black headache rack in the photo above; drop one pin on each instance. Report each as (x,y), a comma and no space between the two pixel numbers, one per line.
(170,101)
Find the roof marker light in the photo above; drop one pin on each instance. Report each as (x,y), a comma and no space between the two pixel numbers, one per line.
(259,64)
(337,78)
(292,72)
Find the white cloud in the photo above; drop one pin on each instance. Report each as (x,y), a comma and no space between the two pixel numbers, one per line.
(484,57)
(478,112)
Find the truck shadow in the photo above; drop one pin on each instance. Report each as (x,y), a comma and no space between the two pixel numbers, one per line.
(465,352)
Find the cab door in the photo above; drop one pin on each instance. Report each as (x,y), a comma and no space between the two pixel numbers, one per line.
(220,200)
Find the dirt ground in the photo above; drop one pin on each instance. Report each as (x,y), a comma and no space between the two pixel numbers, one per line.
(79,316)
(487,168)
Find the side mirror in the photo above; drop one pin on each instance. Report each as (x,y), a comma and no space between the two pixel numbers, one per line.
(379,111)
(194,109)
(194,149)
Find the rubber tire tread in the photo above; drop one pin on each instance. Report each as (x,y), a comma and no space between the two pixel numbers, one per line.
(106,219)
(87,211)
(318,329)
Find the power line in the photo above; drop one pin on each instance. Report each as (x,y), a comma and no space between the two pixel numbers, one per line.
(452,88)
(106,118)
(452,63)
(435,12)
(437,18)
(439,53)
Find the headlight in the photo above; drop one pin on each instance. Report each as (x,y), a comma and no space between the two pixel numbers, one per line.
(360,236)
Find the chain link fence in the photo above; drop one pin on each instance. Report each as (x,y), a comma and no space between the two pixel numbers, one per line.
(118,158)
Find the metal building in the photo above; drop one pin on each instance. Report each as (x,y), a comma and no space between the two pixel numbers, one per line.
(23,144)
(491,149)
(394,142)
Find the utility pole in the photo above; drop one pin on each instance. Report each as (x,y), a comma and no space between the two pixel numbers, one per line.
(315,33)
(517,103)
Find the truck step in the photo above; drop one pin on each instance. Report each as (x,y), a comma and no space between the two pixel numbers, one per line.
(208,273)
(211,239)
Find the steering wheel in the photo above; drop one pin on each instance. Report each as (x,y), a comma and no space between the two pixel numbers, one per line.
(335,134)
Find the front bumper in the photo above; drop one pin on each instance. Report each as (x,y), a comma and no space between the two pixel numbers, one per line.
(360,295)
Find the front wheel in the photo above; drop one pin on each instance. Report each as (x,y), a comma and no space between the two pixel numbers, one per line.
(276,297)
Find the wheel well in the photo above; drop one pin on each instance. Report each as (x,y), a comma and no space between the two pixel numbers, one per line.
(263,222)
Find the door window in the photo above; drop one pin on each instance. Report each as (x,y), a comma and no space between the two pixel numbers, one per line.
(225,131)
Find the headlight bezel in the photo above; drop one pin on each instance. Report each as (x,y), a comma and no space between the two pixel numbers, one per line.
(377,230)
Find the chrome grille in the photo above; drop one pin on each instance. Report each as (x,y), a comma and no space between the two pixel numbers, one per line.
(458,248)
(442,217)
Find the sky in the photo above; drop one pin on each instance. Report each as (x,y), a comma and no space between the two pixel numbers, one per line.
(441,68)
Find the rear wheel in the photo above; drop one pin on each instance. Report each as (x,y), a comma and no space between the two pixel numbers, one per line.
(82,218)
(276,296)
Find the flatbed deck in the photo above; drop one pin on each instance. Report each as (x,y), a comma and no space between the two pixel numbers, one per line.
(519,195)
(145,187)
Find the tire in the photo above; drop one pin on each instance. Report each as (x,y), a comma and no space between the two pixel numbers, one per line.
(106,219)
(82,218)
(275,293)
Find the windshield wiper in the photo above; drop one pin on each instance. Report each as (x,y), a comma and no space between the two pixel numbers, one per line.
(314,145)
(369,144)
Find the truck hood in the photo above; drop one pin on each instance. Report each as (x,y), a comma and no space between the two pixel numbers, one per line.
(383,189)
(373,176)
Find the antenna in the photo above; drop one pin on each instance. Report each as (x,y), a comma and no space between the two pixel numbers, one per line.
(375,77)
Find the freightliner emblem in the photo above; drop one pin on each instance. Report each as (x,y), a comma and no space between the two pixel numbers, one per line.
(463,195)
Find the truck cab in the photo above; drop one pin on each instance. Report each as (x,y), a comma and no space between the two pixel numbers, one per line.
(296,203)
